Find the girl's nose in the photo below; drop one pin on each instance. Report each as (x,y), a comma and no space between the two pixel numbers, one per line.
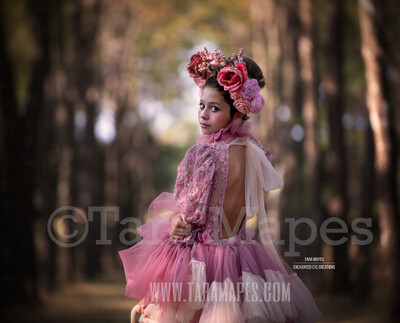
(204,114)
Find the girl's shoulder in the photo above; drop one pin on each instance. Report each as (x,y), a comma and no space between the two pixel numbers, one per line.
(210,148)
(205,153)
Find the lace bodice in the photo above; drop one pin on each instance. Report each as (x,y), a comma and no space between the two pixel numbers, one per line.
(201,186)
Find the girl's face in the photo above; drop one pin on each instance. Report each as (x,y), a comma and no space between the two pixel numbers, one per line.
(214,111)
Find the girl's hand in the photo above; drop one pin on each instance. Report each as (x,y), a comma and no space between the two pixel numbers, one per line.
(179,229)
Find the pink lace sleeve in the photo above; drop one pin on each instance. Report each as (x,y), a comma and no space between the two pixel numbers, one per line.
(193,186)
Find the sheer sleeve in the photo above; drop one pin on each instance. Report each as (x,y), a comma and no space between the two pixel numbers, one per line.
(260,145)
(194,182)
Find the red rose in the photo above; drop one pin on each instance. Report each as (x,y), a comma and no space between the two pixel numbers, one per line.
(194,66)
(231,78)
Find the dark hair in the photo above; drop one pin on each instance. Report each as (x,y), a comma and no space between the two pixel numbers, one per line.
(254,72)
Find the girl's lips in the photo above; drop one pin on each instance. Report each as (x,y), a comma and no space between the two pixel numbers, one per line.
(204,125)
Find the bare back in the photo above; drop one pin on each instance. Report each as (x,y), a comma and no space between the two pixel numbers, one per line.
(234,201)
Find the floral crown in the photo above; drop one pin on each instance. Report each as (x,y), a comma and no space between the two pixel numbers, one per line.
(231,73)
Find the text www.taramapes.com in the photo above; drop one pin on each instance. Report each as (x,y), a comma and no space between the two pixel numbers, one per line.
(220,292)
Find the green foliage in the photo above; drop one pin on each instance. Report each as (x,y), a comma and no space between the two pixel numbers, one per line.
(20,44)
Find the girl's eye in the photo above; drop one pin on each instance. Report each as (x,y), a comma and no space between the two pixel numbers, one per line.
(201,106)
(214,109)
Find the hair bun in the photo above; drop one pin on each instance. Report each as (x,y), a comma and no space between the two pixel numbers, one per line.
(254,71)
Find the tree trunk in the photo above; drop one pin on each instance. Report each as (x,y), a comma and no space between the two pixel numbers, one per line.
(334,84)
(309,118)
(89,171)
(380,115)
(363,263)
(18,282)
(292,158)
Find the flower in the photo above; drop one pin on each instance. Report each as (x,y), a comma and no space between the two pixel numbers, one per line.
(200,82)
(235,95)
(232,78)
(231,74)
(194,67)
(242,105)
(257,104)
(250,89)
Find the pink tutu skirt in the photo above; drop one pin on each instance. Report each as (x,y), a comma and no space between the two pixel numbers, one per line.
(232,280)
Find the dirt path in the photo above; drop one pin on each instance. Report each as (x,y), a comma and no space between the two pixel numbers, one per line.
(103,301)
(100,301)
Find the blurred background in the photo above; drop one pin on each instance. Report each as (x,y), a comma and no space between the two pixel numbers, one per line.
(97,109)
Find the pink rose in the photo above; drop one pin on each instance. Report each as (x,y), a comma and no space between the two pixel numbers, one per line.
(200,82)
(257,104)
(194,67)
(242,105)
(235,95)
(250,89)
(231,78)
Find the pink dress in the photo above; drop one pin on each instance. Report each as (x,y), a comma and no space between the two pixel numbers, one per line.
(206,278)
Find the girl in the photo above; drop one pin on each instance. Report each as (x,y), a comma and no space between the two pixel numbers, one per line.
(198,262)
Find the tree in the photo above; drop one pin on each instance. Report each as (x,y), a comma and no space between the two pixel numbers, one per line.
(381,117)
(306,54)
(334,85)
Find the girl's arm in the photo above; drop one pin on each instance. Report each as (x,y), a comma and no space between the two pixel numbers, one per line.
(194,182)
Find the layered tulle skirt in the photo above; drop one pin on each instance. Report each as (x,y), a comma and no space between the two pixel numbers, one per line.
(232,280)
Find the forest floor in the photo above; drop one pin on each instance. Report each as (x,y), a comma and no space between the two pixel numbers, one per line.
(99,301)
(103,301)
